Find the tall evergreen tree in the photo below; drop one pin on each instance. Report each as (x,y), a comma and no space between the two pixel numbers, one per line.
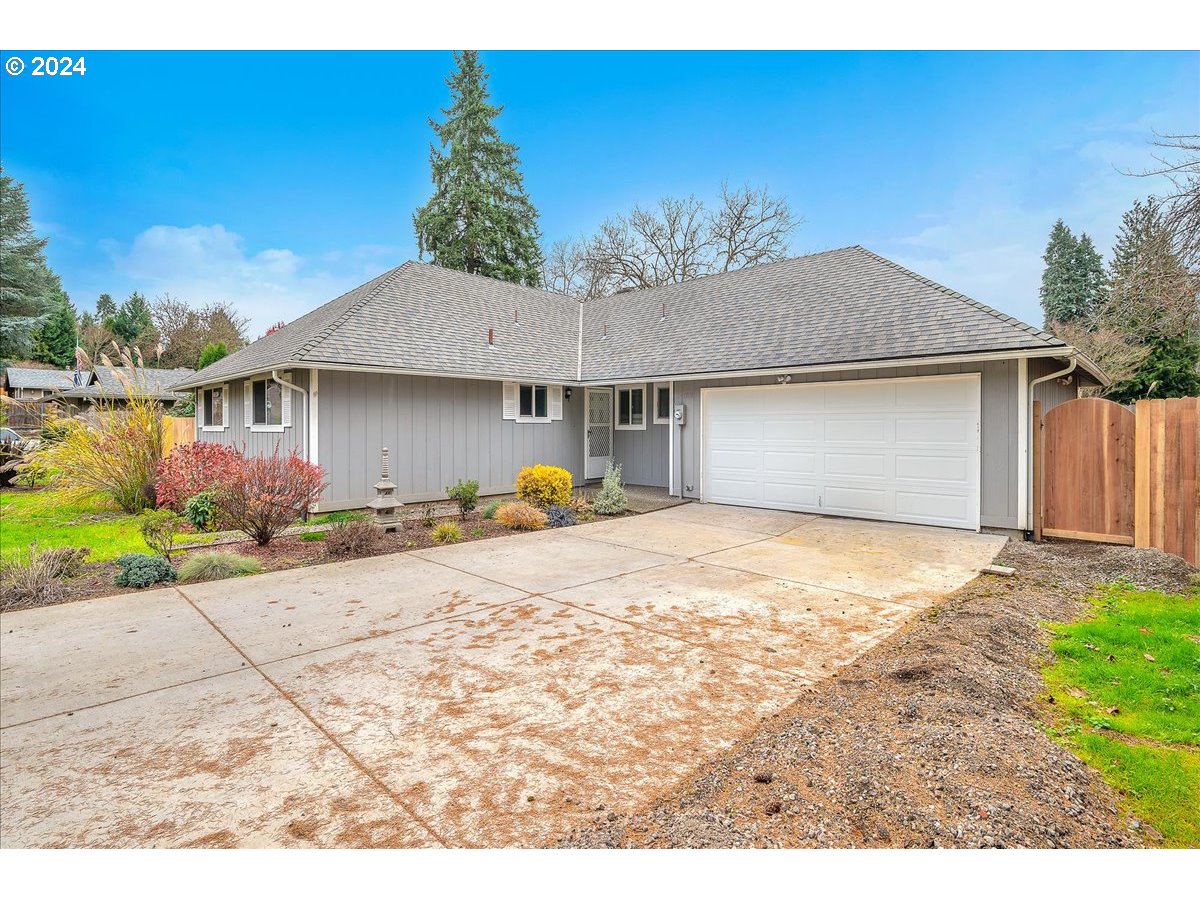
(479,218)
(106,308)
(132,321)
(27,286)
(1093,280)
(59,335)
(1062,285)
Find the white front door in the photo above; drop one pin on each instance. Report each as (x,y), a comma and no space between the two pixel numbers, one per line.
(598,444)
(903,450)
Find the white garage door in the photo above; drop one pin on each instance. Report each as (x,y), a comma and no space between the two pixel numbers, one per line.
(902,449)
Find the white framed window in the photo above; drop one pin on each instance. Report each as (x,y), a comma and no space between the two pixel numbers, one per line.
(266,404)
(531,402)
(662,403)
(212,408)
(631,408)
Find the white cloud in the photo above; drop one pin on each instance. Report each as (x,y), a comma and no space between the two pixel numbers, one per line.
(208,263)
(988,241)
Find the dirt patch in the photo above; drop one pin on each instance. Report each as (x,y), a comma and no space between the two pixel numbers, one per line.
(931,739)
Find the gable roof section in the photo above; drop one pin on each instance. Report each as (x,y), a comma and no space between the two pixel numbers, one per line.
(846,305)
(46,379)
(111,383)
(425,318)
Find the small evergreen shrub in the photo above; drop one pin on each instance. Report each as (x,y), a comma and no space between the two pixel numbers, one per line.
(355,537)
(217,564)
(139,570)
(489,511)
(466,495)
(611,500)
(447,533)
(521,516)
(201,510)
(560,517)
(158,531)
(544,486)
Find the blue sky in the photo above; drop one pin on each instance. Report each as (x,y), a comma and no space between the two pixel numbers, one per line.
(278,180)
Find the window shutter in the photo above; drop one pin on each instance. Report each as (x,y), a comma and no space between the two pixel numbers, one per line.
(226,412)
(248,402)
(554,393)
(509,410)
(285,414)
(200,407)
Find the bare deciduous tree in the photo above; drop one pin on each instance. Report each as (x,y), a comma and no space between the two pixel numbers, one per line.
(1179,162)
(184,330)
(674,241)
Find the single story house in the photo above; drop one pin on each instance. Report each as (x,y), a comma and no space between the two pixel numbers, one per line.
(37,384)
(112,384)
(838,383)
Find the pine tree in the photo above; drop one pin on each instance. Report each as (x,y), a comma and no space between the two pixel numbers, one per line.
(1062,284)
(1093,280)
(105,308)
(27,286)
(59,336)
(479,218)
(132,321)
(211,353)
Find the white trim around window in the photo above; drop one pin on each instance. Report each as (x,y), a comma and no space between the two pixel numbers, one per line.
(631,412)
(662,392)
(268,406)
(205,405)
(527,402)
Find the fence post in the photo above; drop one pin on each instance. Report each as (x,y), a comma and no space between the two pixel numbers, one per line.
(1037,470)
(1141,474)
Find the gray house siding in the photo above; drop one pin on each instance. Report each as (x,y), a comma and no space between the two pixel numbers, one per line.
(260,443)
(998,439)
(437,430)
(1051,393)
(643,455)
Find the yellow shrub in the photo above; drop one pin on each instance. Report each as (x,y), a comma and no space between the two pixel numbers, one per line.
(521,516)
(544,486)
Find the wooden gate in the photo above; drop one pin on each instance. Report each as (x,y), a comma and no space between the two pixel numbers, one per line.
(1088,475)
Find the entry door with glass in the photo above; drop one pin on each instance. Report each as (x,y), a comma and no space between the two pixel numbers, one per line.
(599,443)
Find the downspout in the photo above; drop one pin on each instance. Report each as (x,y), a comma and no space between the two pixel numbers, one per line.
(1073,362)
(288,386)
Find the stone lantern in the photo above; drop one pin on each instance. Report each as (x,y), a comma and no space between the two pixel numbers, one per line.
(386,504)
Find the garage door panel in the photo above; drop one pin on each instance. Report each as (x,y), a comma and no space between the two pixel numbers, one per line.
(871,465)
(902,450)
(857,431)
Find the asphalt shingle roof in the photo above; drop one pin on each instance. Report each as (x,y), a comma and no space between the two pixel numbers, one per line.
(844,305)
(111,382)
(46,379)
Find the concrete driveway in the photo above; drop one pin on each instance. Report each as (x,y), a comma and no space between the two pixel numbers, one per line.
(488,694)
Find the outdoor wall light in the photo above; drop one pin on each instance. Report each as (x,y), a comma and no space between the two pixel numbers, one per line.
(567,393)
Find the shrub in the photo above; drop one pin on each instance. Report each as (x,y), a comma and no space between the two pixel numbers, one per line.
(217,564)
(201,510)
(522,516)
(113,451)
(427,518)
(192,469)
(581,505)
(611,500)
(560,516)
(544,486)
(447,533)
(158,531)
(351,538)
(478,532)
(466,495)
(35,578)
(266,494)
(140,570)
(489,511)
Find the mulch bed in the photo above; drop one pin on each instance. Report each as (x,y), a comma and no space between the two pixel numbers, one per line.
(931,739)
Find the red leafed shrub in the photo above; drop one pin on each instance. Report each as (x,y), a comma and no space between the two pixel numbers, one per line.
(192,468)
(266,494)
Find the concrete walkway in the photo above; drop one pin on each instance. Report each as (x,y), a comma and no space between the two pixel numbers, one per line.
(495,693)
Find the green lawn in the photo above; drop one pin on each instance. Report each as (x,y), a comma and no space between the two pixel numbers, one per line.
(45,517)
(1126,692)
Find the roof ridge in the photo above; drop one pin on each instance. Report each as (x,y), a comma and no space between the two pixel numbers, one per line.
(504,281)
(315,341)
(970,301)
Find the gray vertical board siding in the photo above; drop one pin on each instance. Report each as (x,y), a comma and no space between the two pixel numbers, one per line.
(642,455)
(438,430)
(998,426)
(1051,393)
(259,443)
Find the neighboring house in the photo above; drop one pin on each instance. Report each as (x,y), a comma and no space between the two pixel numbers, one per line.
(836,383)
(112,385)
(38,384)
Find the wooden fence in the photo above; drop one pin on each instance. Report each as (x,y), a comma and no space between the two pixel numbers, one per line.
(178,431)
(1103,472)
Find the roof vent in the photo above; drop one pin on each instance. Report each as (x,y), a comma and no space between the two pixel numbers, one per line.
(662,317)
(625,290)
(604,332)
(516,317)
(491,337)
